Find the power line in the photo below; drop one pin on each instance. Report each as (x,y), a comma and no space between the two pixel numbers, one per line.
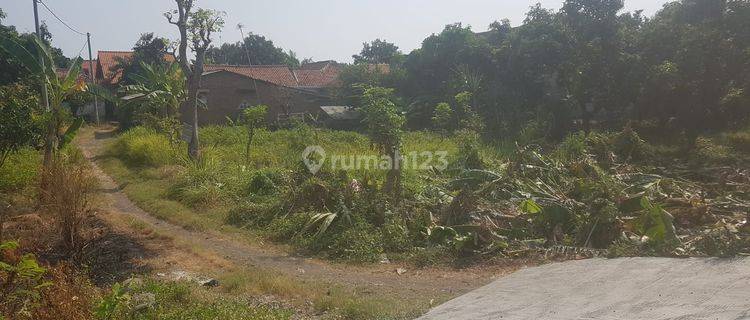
(58,18)
(82,47)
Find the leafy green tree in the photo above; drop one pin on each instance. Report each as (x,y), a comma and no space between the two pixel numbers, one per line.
(354,78)
(160,88)
(155,99)
(450,62)
(12,69)
(384,124)
(21,116)
(468,118)
(253,118)
(149,50)
(442,118)
(256,48)
(377,52)
(59,130)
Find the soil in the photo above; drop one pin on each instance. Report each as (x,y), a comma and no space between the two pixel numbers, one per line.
(160,246)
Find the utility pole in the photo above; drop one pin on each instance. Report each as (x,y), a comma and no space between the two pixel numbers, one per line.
(247,50)
(93,79)
(45,97)
(249,62)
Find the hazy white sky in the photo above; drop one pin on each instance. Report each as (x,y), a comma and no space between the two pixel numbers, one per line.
(321,29)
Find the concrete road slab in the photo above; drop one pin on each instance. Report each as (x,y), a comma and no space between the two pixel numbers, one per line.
(630,288)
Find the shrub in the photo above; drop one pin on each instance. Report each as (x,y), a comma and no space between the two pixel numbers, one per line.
(706,150)
(22,280)
(66,193)
(202,183)
(628,144)
(264,183)
(395,237)
(251,214)
(288,227)
(144,147)
(19,170)
(20,116)
(360,243)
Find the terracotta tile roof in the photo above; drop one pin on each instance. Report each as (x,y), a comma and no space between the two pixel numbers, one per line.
(318,65)
(280,75)
(85,69)
(107,71)
(316,75)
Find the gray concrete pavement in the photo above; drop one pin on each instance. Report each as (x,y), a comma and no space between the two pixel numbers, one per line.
(631,288)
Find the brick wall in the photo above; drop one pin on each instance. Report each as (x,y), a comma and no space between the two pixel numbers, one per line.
(226,92)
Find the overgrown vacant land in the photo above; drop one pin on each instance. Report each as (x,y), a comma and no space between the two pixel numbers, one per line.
(583,131)
(609,191)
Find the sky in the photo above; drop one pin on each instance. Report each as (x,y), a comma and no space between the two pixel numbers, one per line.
(319,29)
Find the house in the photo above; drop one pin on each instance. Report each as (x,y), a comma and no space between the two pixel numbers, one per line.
(108,72)
(288,93)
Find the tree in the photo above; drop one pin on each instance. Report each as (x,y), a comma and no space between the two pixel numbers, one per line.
(378,51)
(253,118)
(197,28)
(59,90)
(20,115)
(442,118)
(12,69)
(149,50)
(156,96)
(468,118)
(384,124)
(256,48)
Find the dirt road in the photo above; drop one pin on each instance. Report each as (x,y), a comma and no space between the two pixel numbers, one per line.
(437,284)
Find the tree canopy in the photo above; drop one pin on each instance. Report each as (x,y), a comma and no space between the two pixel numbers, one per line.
(686,68)
(257,48)
(378,51)
(12,70)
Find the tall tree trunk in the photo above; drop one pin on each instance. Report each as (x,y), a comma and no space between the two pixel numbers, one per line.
(195,85)
(194,145)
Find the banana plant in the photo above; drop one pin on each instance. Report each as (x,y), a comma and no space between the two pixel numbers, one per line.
(158,87)
(59,89)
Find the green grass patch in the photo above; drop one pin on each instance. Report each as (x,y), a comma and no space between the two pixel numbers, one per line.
(20,170)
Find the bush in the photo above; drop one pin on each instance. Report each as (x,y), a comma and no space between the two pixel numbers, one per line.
(360,243)
(286,228)
(22,280)
(20,170)
(707,150)
(201,184)
(66,189)
(251,214)
(264,182)
(144,147)
(395,237)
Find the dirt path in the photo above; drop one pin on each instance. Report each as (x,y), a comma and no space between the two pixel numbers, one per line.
(380,278)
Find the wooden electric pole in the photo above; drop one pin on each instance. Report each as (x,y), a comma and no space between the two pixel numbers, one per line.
(45,97)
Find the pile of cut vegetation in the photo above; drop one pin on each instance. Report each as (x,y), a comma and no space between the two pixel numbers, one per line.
(597,194)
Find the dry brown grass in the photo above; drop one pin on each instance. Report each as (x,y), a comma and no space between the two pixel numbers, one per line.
(66,191)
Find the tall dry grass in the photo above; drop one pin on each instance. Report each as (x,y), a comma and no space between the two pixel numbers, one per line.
(66,190)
